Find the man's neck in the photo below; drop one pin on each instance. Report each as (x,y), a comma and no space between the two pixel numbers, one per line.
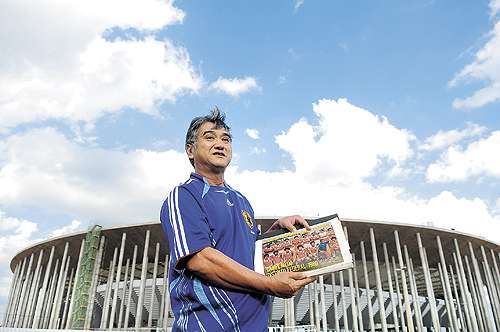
(214,179)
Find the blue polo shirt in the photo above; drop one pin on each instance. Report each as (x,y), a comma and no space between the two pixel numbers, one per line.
(195,216)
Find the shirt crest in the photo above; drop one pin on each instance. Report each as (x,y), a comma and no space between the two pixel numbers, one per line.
(248,218)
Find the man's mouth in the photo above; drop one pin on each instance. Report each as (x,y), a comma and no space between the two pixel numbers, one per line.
(219,154)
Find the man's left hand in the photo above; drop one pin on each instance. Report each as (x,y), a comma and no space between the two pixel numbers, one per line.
(289,223)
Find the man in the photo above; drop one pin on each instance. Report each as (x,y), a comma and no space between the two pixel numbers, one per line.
(211,231)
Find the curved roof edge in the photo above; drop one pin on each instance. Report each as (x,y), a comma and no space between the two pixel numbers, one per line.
(81,234)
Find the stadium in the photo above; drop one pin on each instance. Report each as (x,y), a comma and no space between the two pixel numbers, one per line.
(406,278)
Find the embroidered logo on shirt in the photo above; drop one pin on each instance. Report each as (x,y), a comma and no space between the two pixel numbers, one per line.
(228,202)
(248,218)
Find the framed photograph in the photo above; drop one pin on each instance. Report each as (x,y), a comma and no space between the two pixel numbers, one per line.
(322,249)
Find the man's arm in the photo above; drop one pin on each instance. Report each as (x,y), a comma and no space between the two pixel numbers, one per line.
(217,268)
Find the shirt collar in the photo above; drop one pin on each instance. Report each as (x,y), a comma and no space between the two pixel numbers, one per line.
(202,178)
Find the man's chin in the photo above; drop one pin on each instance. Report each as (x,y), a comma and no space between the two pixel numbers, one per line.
(220,163)
(219,167)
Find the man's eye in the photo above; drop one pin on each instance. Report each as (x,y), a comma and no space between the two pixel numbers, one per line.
(226,139)
(210,138)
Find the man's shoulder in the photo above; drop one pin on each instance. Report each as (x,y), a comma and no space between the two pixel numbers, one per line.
(192,186)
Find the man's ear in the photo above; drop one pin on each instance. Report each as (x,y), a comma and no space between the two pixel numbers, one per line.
(190,150)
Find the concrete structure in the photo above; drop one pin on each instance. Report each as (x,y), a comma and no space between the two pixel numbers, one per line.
(406,278)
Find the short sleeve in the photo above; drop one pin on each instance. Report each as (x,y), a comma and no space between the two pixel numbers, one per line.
(185,224)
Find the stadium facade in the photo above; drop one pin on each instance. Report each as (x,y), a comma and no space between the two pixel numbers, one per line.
(406,278)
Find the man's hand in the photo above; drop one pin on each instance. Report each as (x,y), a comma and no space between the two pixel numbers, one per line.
(289,223)
(287,284)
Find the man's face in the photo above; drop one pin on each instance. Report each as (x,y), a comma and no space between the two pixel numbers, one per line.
(212,149)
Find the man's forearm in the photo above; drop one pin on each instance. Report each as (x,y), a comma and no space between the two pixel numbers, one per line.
(215,267)
(219,269)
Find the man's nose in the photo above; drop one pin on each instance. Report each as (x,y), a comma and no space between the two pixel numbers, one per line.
(219,145)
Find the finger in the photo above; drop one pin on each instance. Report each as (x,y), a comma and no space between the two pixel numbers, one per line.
(301,283)
(297,275)
(302,221)
(289,224)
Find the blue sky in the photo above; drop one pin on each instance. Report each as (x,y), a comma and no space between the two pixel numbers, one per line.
(383,109)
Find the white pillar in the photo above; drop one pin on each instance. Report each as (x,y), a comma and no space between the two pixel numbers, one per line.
(15,280)
(109,287)
(22,300)
(33,292)
(124,295)
(153,285)
(398,293)
(447,290)
(41,296)
(49,301)
(380,295)
(367,287)
(68,298)
(144,269)
(391,292)
(409,319)
(117,282)
(131,292)
(335,307)
(428,285)
(164,294)
(323,304)
(59,288)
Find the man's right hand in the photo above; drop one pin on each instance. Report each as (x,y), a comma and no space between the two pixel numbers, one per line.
(288,284)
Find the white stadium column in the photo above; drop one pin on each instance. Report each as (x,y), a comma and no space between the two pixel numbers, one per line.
(131,292)
(391,291)
(10,301)
(22,300)
(124,295)
(117,282)
(59,288)
(144,270)
(109,289)
(402,268)
(428,285)
(153,286)
(367,287)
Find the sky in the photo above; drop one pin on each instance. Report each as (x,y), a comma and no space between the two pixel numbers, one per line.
(385,110)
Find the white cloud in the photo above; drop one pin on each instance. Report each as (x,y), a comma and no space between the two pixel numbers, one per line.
(485,68)
(288,192)
(256,150)
(15,234)
(252,133)
(479,158)
(44,168)
(443,139)
(71,228)
(234,86)
(57,65)
(494,7)
(348,144)
(331,163)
